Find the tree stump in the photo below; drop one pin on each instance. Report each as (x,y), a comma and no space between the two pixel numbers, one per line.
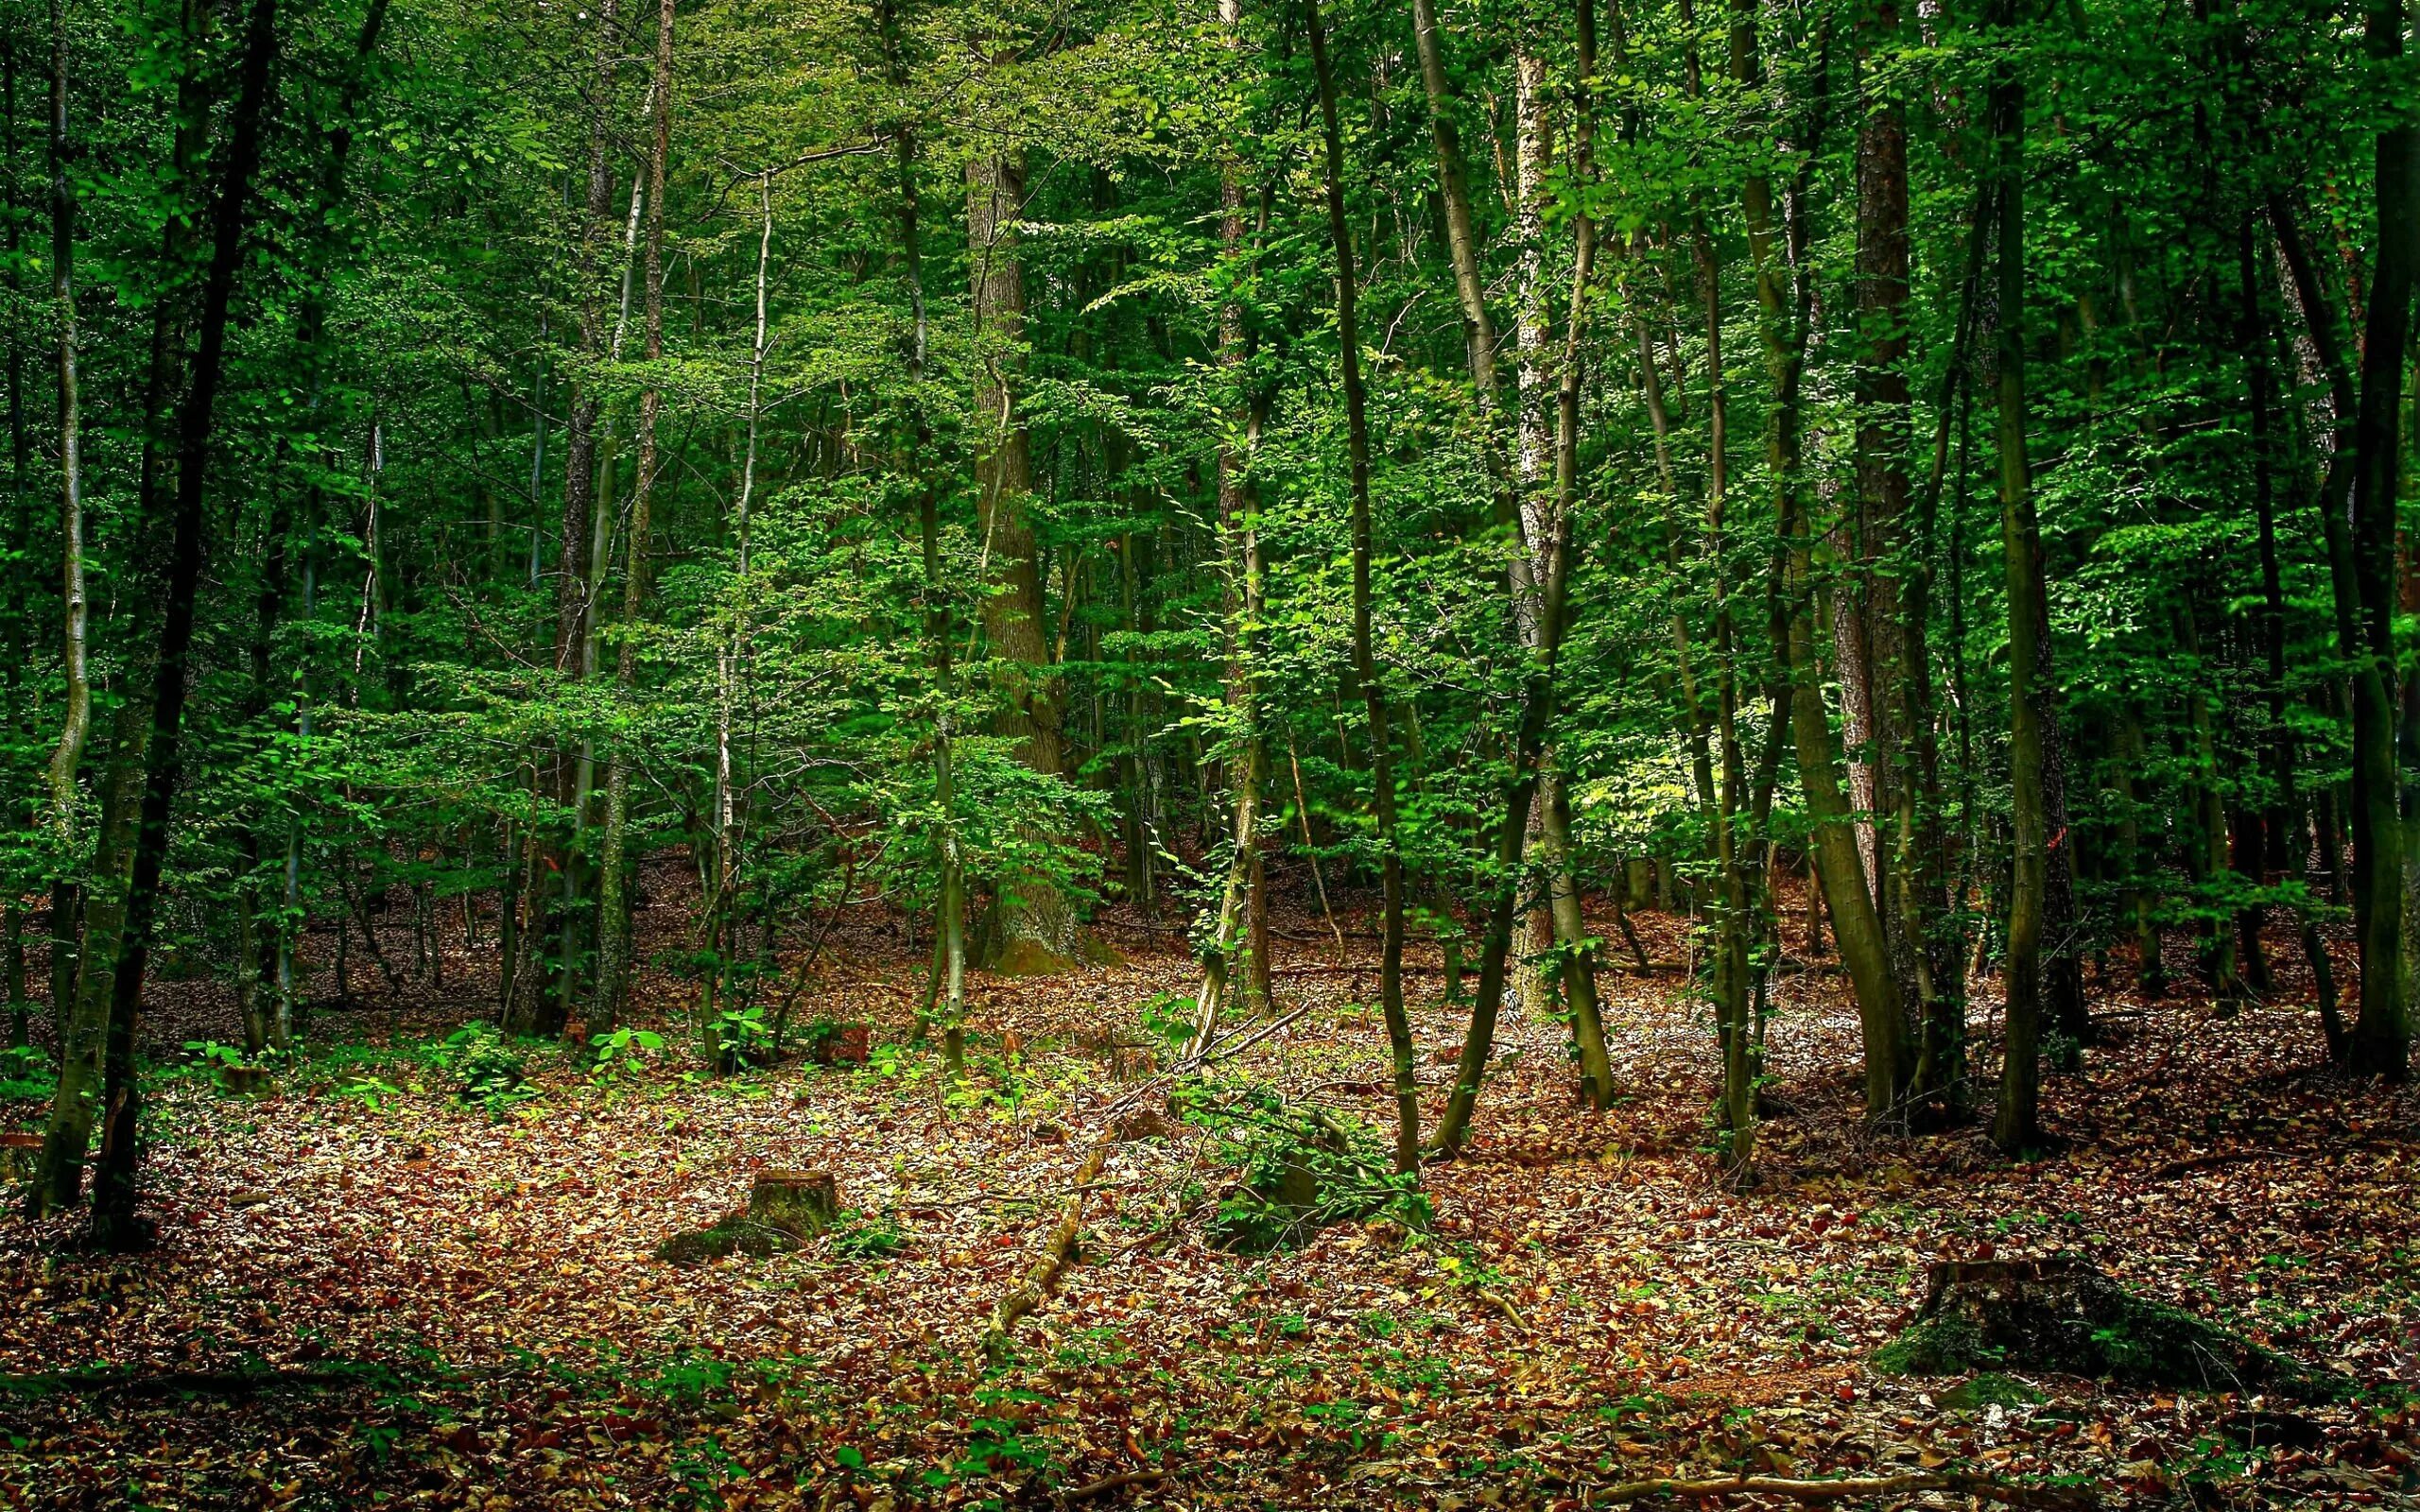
(799,1203)
(2063,1315)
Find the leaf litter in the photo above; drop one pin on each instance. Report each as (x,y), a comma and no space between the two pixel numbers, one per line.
(391,1298)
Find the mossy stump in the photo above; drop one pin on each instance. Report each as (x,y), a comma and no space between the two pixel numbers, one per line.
(799,1203)
(2063,1315)
(784,1208)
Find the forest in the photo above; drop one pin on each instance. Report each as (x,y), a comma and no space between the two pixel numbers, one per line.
(1209,753)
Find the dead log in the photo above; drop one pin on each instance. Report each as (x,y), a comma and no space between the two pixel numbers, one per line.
(2061,1315)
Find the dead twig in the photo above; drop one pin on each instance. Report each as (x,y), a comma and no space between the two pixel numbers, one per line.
(1110,1483)
(976,1199)
(1985,1486)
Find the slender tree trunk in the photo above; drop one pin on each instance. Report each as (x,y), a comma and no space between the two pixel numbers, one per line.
(115,1225)
(614,865)
(97,911)
(76,727)
(1238,536)
(2381,1035)
(1856,924)
(1910,853)
(1365,665)
(1575,945)
(2377,831)
(2015,1127)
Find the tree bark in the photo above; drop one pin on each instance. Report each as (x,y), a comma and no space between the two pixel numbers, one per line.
(1856,924)
(1365,665)
(2380,1044)
(114,1223)
(2015,1127)
(1240,541)
(614,865)
(77,725)
(1032,926)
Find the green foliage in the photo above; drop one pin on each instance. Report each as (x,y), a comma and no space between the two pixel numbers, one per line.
(27,1074)
(491,1072)
(622,1051)
(1300,1170)
(863,1236)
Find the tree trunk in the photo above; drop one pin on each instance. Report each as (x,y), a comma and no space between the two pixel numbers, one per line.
(1856,924)
(99,912)
(1575,945)
(1240,541)
(77,725)
(2382,1037)
(2015,1127)
(1365,665)
(114,1224)
(1034,926)
(614,865)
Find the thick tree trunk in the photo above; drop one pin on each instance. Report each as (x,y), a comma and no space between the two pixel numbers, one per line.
(1032,927)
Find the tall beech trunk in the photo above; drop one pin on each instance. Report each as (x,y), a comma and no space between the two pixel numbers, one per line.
(1856,924)
(613,863)
(2015,1127)
(2377,831)
(1365,665)
(76,728)
(1240,544)
(114,1223)
(1910,859)
(1542,630)
(1574,944)
(96,912)
(1032,926)
(2380,1044)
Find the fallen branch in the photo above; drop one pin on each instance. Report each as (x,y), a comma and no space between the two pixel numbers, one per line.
(977,1198)
(1110,1483)
(1511,1313)
(1985,1486)
(1044,1273)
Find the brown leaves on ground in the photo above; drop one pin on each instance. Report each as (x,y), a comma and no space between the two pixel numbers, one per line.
(400,1301)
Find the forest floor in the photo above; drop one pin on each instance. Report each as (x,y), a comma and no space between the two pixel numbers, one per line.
(370,1291)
